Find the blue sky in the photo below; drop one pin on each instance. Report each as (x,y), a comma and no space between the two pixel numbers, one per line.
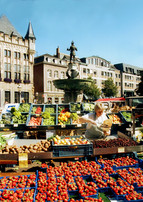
(112,29)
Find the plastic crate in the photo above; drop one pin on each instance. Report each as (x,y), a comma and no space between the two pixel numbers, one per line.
(29,118)
(51,109)
(88,107)
(125,118)
(72,150)
(76,107)
(36,106)
(64,107)
(26,107)
(47,123)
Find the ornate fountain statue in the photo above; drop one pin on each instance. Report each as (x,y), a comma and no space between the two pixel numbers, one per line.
(72,69)
(72,86)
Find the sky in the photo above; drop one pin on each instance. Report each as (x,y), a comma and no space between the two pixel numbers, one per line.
(111,29)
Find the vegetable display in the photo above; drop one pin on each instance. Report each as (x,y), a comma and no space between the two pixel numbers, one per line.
(127,116)
(42,146)
(6,119)
(36,110)
(25,107)
(88,106)
(76,106)
(115,118)
(49,121)
(50,110)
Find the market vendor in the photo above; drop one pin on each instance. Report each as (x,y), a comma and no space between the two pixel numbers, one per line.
(98,124)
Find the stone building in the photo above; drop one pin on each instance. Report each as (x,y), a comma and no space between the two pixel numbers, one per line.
(130,78)
(16,63)
(46,69)
(100,70)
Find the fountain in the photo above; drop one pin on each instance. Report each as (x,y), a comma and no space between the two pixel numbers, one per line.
(72,86)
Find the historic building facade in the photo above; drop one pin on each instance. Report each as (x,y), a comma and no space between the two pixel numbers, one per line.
(130,78)
(48,68)
(16,63)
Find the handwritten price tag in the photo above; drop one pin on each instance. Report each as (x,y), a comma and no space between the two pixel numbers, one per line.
(15,125)
(1,125)
(23,160)
(79,125)
(121,149)
(63,126)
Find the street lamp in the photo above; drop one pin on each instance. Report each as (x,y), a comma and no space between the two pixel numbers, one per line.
(19,88)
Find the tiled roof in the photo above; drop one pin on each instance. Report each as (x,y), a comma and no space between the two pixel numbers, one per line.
(6,27)
(30,33)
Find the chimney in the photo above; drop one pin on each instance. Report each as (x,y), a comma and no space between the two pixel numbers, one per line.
(58,52)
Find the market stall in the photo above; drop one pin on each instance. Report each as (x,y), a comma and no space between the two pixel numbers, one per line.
(72,154)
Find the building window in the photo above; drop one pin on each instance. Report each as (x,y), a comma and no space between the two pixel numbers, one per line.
(17,97)
(26,73)
(7,96)
(95,73)
(84,70)
(7,71)
(49,73)
(56,100)
(15,54)
(5,53)
(9,53)
(26,56)
(88,61)
(17,71)
(56,74)
(62,75)
(88,71)
(49,86)
(25,96)
(102,73)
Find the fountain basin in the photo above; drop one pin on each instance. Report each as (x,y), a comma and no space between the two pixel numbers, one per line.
(71,84)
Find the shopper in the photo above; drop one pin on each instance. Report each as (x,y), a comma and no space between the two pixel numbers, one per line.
(98,124)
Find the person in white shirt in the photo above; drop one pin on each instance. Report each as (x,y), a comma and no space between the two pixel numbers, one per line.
(95,121)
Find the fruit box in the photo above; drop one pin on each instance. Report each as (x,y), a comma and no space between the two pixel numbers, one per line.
(88,107)
(37,108)
(126,115)
(76,107)
(72,150)
(24,107)
(34,121)
(51,121)
(51,109)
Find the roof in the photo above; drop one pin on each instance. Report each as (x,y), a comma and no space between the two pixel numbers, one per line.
(117,99)
(30,33)
(6,27)
(123,66)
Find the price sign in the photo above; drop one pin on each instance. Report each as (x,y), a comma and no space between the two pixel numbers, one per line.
(78,125)
(15,125)
(121,149)
(78,112)
(23,160)
(1,125)
(63,126)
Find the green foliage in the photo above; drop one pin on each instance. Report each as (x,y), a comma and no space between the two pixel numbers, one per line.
(92,89)
(109,88)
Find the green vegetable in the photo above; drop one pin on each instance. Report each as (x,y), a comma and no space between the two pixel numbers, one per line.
(45,115)
(50,121)
(127,116)
(50,110)
(13,109)
(74,116)
(25,107)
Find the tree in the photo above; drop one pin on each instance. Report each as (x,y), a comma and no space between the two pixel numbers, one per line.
(109,88)
(92,90)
